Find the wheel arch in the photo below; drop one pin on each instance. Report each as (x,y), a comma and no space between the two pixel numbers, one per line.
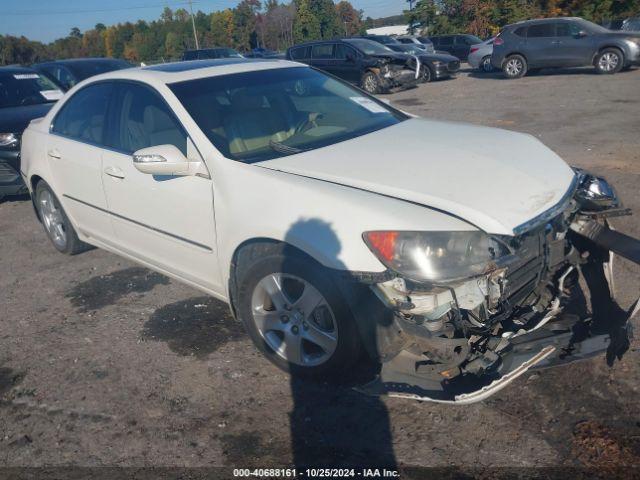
(607,46)
(33,183)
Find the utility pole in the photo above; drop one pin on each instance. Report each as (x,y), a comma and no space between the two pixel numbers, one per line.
(193,24)
(410,4)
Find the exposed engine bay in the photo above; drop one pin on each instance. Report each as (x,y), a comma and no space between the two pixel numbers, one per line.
(551,300)
(395,73)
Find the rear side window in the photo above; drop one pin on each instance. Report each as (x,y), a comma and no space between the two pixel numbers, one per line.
(144,120)
(300,53)
(83,116)
(542,30)
(446,41)
(322,52)
(520,31)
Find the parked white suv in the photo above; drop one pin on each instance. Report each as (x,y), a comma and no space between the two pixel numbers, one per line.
(332,222)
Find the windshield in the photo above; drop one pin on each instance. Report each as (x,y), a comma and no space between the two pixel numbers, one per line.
(385,40)
(369,47)
(26,88)
(591,27)
(410,49)
(268,114)
(83,70)
(631,25)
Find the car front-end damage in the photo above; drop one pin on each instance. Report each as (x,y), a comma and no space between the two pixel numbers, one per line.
(546,298)
(395,72)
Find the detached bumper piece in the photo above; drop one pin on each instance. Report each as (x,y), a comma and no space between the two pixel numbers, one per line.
(428,365)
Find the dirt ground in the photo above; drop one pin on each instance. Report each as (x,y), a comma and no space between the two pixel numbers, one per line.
(104,363)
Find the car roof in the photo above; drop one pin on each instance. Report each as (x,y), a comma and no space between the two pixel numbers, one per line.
(71,61)
(542,20)
(175,72)
(16,69)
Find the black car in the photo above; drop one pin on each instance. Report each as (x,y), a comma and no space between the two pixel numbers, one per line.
(433,66)
(67,73)
(24,95)
(365,63)
(210,54)
(563,42)
(456,45)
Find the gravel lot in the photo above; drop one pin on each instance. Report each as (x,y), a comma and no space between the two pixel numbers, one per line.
(104,363)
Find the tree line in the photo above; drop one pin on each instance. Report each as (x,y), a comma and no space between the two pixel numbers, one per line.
(252,23)
(275,25)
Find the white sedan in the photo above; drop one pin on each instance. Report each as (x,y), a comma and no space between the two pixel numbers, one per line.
(331,222)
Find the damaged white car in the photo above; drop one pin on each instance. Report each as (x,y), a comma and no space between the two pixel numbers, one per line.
(333,223)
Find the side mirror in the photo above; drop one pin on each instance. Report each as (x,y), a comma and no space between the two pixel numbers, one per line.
(164,160)
(581,34)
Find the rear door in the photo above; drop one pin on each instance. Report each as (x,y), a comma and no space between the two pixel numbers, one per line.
(461,47)
(321,55)
(445,44)
(541,46)
(345,63)
(573,49)
(166,221)
(74,147)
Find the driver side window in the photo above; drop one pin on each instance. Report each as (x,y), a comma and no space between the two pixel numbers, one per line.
(83,116)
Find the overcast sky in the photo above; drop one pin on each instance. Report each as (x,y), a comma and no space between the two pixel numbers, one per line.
(46,20)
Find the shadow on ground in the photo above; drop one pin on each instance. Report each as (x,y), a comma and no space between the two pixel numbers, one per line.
(197,326)
(104,290)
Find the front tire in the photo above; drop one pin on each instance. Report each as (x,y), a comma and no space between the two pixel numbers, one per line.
(515,66)
(56,223)
(609,61)
(426,75)
(370,83)
(296,316)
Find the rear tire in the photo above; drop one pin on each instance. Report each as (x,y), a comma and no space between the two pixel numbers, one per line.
(56,223)
(515,66)
(278,323)
(485,65)
(370,83)
(609,61)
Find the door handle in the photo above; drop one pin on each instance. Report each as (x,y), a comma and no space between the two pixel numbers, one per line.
(54,153)
(114,172)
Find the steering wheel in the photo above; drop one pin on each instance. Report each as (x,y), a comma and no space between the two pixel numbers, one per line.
(311,121)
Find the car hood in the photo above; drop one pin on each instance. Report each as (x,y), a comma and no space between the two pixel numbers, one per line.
(431,57)
(494,179)
(16,119)
(392,56)
(623,35)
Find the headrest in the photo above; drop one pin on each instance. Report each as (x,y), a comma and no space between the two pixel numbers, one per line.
(156,120)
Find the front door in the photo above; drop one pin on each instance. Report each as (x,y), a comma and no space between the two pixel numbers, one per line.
(167,221)
(75,147)
(345,64)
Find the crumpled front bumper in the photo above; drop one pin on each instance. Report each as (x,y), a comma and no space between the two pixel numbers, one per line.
(419,362)
(10,180)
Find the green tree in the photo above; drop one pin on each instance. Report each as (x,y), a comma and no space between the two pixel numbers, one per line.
(306,25)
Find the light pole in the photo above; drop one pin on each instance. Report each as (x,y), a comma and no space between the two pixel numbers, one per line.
(193,24)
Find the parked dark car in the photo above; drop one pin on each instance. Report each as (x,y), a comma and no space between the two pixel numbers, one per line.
(563,42)
(210,54)
(631,25)
(456,45)
(24,95)
(263,53)
(67,73)
(365,63)
(433,66)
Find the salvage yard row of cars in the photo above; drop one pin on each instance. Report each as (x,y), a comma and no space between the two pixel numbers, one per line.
(455,291)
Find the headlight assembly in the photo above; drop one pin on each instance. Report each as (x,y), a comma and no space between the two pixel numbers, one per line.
(8,139)
(436,256)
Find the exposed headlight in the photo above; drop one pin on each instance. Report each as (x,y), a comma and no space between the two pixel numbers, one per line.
(8,139)
(437,63)
(436,256)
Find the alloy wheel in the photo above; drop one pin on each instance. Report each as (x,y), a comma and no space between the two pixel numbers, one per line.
(370,84)
(608,62)
(514,67)
(486,65)
(294,319)
(52,218)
